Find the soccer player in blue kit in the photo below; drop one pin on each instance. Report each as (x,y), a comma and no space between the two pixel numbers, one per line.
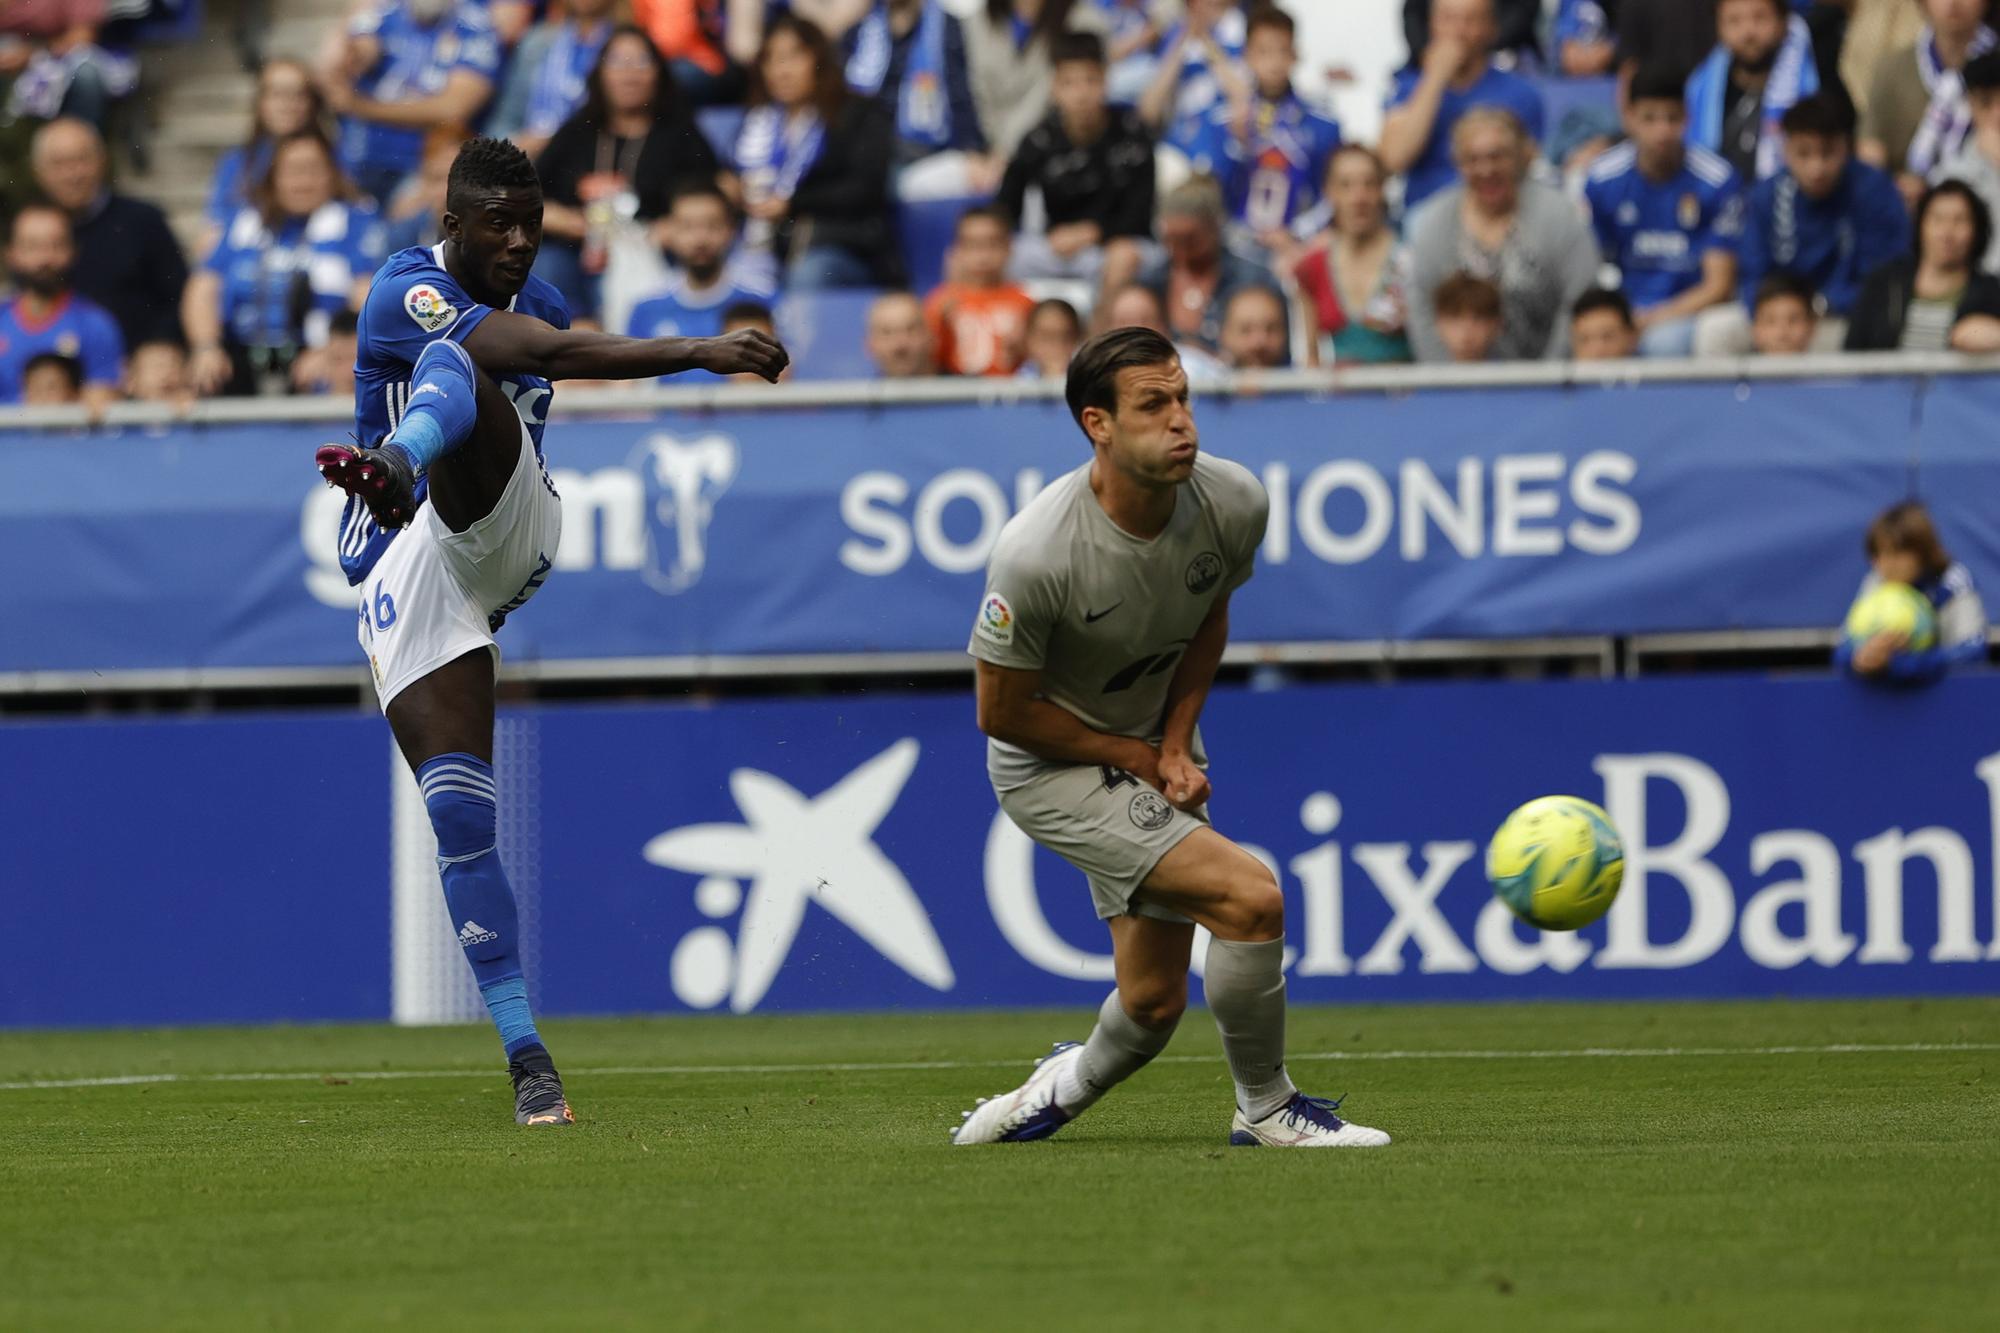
(452,524)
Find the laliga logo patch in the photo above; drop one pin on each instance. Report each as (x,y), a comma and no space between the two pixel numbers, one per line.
(996,619)
(427,306)
(1150,810)
(1204,572)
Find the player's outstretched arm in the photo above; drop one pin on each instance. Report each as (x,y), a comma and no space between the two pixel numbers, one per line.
(509,344)
(1184,783)
(1012,711)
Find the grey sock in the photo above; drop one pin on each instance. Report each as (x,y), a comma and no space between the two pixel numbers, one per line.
(1118,1048)
(1246,993)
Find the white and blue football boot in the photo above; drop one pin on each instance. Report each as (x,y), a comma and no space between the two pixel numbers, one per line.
(1304,1122)
(1027,1113)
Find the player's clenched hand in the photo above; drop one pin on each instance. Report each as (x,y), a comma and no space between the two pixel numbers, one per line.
(1182,782)
(746,351)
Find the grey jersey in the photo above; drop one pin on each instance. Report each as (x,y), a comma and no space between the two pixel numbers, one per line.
(1104,615)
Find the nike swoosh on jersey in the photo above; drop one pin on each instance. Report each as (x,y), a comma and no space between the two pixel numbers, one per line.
(1092,617)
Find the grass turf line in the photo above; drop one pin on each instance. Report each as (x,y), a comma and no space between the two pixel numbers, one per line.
(1813,1191)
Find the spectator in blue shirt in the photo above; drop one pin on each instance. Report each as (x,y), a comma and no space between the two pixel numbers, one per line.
(1200,67)
(1456,75)
(909,55)
(548,74)
(406,67)
(1668,215)
(1762,65)
(1826,217)
(288,102)
(285,264)
(1270,154)
(45,317)
(697,234)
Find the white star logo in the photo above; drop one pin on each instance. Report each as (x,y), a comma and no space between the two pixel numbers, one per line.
(794,849)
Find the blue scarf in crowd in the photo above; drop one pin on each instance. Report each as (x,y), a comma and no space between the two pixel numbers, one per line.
(1947,119)
(773,154)
(1794,77)
(923,110)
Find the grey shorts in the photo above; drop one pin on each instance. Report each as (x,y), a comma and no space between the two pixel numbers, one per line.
(1106,823)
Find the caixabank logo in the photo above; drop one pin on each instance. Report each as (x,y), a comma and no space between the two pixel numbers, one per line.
(1709,907)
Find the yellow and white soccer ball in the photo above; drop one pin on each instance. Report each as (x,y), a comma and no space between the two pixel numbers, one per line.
(1557,862)
(1893,608)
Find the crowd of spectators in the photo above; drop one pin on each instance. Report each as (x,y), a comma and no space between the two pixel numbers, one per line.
(1727,177)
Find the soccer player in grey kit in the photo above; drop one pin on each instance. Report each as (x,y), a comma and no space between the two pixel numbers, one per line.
(1105,616)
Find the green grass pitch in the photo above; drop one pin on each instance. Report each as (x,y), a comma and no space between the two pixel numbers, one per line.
(1730,1168)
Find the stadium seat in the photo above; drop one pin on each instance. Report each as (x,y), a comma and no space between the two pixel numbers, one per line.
(719,125)
(926,228)
(825,332)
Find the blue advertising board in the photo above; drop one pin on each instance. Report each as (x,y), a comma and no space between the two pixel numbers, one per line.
(1448,513)
(1785,837)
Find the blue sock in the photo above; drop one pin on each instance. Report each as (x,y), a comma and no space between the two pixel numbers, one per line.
(459,793)
(444,405)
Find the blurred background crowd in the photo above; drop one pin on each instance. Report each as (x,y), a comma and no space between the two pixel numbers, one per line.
(907,188)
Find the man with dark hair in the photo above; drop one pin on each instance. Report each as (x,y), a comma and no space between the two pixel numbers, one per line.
(452,524)
(1094,166)
(1601,327)
(1826,217)
(1256,334)
(699,236)
(46,315)
(1105,616)
(1762,65)
(1669,215)
(1455,75)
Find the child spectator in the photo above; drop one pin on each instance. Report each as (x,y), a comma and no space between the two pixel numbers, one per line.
(1525,238)
(1010,51)
(1586,47)
(1195,275)
(753,315)
(1761,67)
(1352,279)
(1255,335)
(815,164)
(288,102)
(1826,217)
(127,259)
(1602,327)
(1668,215)
(1055,331)
(51,379)
(1903,547)
(1785,319)
(697,235)
(977,319)
(284,265)
(1456,75)
(616,160)
(405,68)
(898,341)
(1936,298)
(910,56)
(1200,68)
(157,372)
(46,315)
(1977,161)
(548,75)
(1918,114)
(1094,167)
(1467,318)
(1271,153)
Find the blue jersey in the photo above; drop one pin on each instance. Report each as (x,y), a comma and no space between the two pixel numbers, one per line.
(1433,170)
(282,287)
(78,329)
(1833,243)
(416,61)
(413,303)
(1658,232)
(1279,171)
(678,312)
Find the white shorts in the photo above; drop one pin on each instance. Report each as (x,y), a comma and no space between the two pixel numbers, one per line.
(1106,823)
(437,594)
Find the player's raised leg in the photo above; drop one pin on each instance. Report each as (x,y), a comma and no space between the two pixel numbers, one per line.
(1209,879)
